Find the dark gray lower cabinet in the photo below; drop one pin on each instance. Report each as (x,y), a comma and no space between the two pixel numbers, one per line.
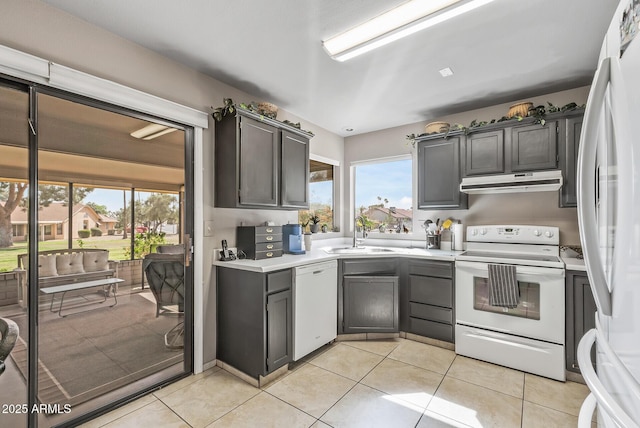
(370,304)
(431,297)
(391,295)
(580,315)
(279,316)
(254,320)
(368,296)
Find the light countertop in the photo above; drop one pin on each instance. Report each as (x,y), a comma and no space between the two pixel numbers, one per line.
(318,254)
(572,263)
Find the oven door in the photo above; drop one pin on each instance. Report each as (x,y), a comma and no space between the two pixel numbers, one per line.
(539,315)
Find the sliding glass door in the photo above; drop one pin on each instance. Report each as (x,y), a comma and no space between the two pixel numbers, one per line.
(111,300)
(14,248)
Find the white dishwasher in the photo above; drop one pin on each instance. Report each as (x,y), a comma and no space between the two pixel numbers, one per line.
(315,307)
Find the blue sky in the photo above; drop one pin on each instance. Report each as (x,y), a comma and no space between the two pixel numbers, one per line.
(113,199)
(390,180)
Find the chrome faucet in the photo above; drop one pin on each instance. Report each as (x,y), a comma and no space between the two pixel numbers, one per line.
(357,243)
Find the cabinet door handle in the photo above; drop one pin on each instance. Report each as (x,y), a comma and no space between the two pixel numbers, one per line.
(269,254)
(269,230)
(269,238)
(270,247)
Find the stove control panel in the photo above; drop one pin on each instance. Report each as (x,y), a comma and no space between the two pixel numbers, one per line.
(547,235)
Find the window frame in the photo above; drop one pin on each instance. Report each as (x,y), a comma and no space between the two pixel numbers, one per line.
(335,197)
(352,191)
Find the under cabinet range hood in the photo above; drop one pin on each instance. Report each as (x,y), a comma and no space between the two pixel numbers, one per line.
(539,181)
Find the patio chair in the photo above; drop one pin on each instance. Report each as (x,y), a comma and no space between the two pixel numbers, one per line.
(8,335)
(170,249)
(165,275)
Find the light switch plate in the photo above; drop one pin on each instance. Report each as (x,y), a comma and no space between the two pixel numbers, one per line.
(208,228)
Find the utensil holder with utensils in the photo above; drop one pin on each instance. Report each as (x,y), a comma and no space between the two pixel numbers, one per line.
(433,242)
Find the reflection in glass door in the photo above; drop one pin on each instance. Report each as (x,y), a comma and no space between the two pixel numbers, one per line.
(14,227)
(104,223)
(108,186)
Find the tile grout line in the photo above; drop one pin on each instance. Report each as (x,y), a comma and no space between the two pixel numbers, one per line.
(436,391)
(295,407)
(223,415)
(354,385)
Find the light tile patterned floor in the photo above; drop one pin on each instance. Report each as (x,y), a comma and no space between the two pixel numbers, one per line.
(385,383)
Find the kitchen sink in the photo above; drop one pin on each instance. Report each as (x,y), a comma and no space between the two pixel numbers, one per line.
(358,250)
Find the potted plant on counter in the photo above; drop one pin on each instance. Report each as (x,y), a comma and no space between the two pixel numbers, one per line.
(315,223)
(304,223)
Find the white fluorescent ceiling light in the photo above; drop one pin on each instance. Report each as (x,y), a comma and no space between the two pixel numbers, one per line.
(152,131)
(402,21)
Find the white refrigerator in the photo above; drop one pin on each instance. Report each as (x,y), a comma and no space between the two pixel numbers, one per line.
(609,221)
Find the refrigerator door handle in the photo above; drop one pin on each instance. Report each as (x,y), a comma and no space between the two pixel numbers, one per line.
(586,411)
(606,402)
(586,182)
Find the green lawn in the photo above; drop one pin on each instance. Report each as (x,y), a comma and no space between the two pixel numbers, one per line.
(116,246)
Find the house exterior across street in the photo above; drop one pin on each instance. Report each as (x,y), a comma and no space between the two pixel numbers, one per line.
(53,221)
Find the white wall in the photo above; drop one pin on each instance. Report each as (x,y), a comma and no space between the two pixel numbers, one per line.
(39,29)
(517,208)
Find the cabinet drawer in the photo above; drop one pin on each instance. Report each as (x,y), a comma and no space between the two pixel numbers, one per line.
(431,329)
(260,255)
(433,313)
(269,246)
(278,281)
(432,291)
(369,267)
(431,268)
(274,237)
(268,230)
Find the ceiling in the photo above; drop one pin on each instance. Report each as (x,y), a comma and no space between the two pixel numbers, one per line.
(86,145)
(505,51)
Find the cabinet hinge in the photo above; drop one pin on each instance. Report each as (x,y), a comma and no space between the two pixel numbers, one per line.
(266,307)
(266,364)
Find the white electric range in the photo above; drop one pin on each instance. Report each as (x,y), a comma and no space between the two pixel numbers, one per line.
(530,336)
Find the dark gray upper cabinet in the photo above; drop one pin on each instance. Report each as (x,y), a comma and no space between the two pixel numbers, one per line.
(485,153)
(534,147)
(260,163)
(255,325)
(439,173)
(295,164)
(568,157)
(579,313)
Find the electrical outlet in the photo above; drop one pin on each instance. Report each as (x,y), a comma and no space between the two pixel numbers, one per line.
(208,228)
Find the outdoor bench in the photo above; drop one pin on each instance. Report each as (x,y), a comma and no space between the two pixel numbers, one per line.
(61,271)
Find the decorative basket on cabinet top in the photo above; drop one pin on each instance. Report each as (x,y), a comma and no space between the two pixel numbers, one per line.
(436,127)
(520,109)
